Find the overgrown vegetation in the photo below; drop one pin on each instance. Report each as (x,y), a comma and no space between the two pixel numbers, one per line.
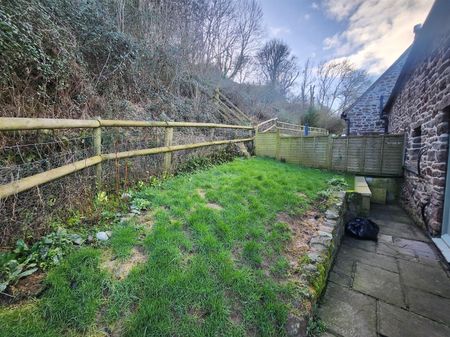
(45,253)
(216,260)
(122,58)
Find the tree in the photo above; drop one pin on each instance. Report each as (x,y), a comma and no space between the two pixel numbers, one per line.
(277,65)
(339,84)
(306,85)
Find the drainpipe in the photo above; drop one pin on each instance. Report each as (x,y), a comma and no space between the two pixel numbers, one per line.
(383,117)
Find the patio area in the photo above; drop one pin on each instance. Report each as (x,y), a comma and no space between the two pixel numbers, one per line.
(396,287)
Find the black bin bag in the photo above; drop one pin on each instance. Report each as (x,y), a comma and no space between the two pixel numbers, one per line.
(362,228)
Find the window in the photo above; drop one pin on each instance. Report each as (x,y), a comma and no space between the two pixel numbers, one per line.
(416,143)
(414,148)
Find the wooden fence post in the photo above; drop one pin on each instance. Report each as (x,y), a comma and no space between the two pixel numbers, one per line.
(330,152)
(168,137)
(98,152)
(278,145)
(314,151)
(346,154)
(363,159)
(383,139)
(301,157)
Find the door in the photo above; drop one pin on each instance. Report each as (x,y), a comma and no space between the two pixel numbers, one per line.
(443,243)
(446,218)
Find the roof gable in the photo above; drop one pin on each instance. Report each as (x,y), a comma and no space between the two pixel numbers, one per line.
(381,87)
(437,23)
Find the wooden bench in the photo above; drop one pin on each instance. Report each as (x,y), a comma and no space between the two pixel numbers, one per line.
(363,189)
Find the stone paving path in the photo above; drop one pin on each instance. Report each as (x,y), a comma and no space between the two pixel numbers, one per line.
(397,287)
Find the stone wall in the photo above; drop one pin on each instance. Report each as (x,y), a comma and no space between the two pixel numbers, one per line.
(323,248)
(421,110)
(364,117)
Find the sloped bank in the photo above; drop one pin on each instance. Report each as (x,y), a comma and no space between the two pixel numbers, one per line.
(315,267)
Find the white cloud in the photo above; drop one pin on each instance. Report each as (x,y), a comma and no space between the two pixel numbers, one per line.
(279,31)
(377,32)
(331,42)
(306,17)
(315,5)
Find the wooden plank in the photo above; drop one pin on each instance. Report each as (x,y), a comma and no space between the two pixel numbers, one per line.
(165,149)
(10,124)
(127,123)
(45,177)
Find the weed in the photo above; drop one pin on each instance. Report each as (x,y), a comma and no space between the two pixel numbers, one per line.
(315,327)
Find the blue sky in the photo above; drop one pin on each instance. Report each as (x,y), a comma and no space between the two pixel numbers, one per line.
(372,34)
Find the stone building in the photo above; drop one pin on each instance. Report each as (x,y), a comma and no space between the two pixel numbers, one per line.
(365,115)
(419,107)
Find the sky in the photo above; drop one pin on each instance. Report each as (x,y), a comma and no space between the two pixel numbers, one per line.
(372,34)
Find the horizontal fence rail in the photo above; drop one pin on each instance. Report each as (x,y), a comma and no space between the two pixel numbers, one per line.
(18,124)
(377,155)
(285,128)
(11,124)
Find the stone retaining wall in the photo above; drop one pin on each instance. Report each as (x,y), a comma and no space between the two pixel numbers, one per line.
(323,248)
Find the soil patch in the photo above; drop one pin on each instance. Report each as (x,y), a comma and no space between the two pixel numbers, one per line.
(201,193)
(30,286)
(120,269)
(214,206)
(303,228)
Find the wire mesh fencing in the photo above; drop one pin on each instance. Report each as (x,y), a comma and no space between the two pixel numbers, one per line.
(35,212)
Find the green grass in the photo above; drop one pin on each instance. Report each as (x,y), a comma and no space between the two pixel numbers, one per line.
(210,272)
(123,240)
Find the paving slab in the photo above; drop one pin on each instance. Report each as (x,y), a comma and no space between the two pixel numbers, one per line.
(421,249)
(401,230)
(429,278)
(429,305)
(396,322)
(344,265)
(369,258)
(348,313)
(389,212)
(378,283)
(340,278)
(398,281)
(370,246)
(392,250)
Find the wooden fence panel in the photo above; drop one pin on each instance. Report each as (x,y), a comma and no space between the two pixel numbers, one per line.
(355,157)
(266,144)
(372,154)
(339,154)
(392,159)
(289,149)
(378,155)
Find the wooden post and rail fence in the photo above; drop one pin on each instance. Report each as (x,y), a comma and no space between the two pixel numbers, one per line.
(18,124)
(365,155)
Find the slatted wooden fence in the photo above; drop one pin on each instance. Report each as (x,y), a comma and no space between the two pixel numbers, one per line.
(375,155)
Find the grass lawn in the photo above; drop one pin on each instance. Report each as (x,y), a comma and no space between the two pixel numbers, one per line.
(212,261)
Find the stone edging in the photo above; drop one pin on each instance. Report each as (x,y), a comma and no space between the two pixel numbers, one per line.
(323,248)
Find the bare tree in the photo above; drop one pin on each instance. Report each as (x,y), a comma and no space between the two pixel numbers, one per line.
(306,84)
(248,30)
(339,83)
(277,65)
